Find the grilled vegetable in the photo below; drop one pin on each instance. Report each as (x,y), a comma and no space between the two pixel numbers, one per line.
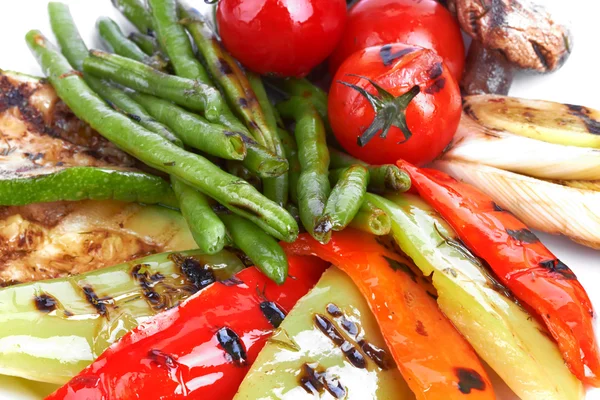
(474,142)
(136,13)
(329,344)
(551,122)
(201,348)
(371,219)
(53,329)
(521,262)
(546,206)
(433,357)
(486,71)
(504,335)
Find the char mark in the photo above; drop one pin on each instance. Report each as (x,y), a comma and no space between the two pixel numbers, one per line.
(233,346)
(468,380)
(328,328)
(558,267)
(387,57)
(523,235)
(224,67)
(200,275)
(436,71)
(272,312)
(45,303)
(316,382)
(98,303)
(583,113)
(399,266)
(436,86)
(162,359)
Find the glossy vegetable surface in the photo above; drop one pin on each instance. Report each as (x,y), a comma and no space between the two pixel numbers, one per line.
(201,348)
(424,23)
(281,38)
(154,150)
(356,365)
(504,335)
(51,330)
(521,262)
(394,101)
(433,357)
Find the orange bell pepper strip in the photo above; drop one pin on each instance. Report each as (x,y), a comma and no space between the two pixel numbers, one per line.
(538,279)
(436,361)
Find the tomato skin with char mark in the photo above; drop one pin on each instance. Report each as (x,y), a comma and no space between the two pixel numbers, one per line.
(424,23)
(281,37)
(431,117)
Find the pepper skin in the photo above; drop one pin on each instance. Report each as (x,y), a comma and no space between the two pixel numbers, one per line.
(522,263)
(199,350)
(433,357)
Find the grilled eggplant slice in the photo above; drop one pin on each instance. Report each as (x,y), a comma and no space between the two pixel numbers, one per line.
(542,205)
(548,121)
(38,133)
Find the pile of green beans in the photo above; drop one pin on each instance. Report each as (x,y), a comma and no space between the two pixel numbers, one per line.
(211,126)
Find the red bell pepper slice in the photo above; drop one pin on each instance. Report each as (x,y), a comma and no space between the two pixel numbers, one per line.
(436,361)
(522,263)
(201,349)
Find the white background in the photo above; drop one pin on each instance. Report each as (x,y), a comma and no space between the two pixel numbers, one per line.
(578,82)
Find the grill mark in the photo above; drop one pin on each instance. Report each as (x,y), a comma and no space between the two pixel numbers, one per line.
(420,329)
(98,303)
(496,207)
(540,54)
(224,67)
(199,275)
(468,109)
(436,71)
(329,330)
(468,380)
(523,235)
(45,303)
(387,57)
(377,355)
(583,113)
(273,313)
(163,359)
(243,102)
(558,267)
(436,86)
(334,310)
(147,286)
(315,382)
(233,346)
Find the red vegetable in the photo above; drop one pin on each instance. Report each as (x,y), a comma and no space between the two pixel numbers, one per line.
(423,23)
(282,37)
(436,361)
(201,349)
(522,263)
(394,101)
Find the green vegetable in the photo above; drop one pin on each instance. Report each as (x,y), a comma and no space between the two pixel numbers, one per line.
(313,183)
(505,335)
(372,219)
(51,330)
(206,228)
(147,44)
(118,43)
(79,183)
(306,89)
(238,196)
(136,13)
(344,201)
(68,35)
(175,42)
(236,168)
(299,347)
(382,178)
(276,189)
(291,152)
(264,251)
(231,78)
(188,93)
(193,130)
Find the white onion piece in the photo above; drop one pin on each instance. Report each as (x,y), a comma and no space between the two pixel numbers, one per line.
(539,204)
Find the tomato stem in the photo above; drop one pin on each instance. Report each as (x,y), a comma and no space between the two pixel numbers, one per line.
(389,110)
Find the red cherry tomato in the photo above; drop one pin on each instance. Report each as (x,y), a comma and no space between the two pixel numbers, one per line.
(423,23)
(281,37)
(394,102)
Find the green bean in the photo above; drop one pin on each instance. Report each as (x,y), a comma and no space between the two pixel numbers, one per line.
(230,77)
(193,130)
(291,153)
(136,13)
(313,183)
(344,201)
(118,43)
(238,196)
(276,189)
(382,178)
(236,168)
(372,219)
(66,32)
(148,44)
(174,41)
(188,93)
(207,229)
(306,89)
(263,250)
(79,183)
